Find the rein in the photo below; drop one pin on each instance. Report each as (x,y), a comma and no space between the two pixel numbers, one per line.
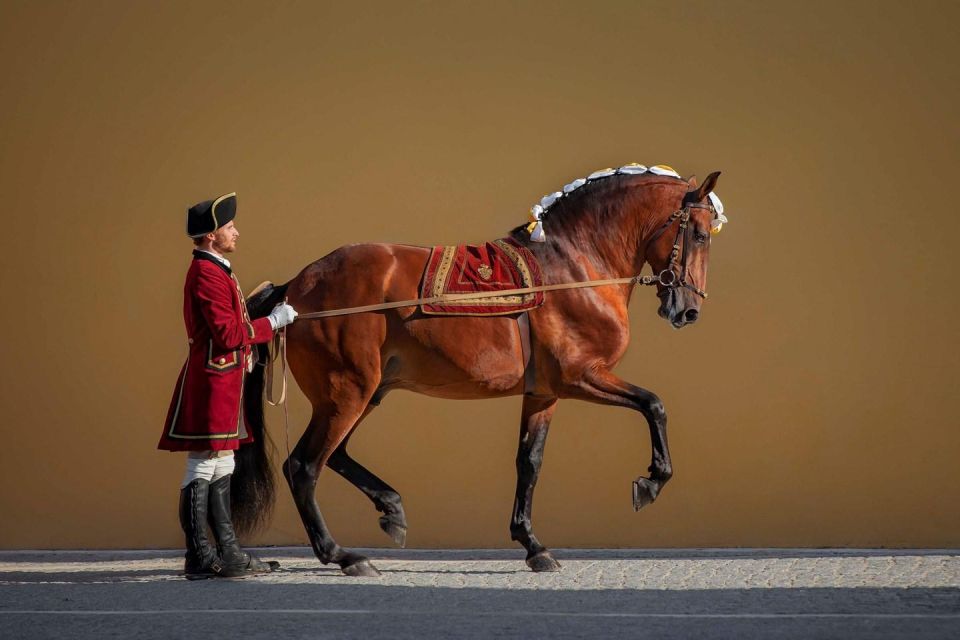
(668,277)
(450,297)
(280,348)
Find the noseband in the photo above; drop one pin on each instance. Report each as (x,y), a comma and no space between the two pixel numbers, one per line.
(674,276)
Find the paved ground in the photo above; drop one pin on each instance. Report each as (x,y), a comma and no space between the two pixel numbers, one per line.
(490,594)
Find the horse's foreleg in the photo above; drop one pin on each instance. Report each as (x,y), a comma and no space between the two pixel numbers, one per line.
(605,388)
(384,497)
(328,427)
(534,426)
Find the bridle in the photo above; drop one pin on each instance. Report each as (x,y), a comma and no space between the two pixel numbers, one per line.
(674,276)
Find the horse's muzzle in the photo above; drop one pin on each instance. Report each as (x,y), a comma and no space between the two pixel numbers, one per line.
(671,310)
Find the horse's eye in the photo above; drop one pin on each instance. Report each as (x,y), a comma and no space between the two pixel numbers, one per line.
(700,237)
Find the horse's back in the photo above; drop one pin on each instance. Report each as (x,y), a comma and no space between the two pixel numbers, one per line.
(359,274)
(437,355)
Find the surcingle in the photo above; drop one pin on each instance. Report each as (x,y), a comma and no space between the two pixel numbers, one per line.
(493,266)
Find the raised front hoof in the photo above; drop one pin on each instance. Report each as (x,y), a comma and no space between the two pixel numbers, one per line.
(542,562)
(397,532)
(645,491)
(360,568)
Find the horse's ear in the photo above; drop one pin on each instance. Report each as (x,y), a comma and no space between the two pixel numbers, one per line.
(692,181)
(708,185)
(698,194)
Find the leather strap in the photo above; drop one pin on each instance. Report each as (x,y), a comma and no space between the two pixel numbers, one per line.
(478,295)
(529,370)
(682,214)
(279,353)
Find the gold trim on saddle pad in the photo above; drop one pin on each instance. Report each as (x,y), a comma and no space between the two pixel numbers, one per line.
(445,271)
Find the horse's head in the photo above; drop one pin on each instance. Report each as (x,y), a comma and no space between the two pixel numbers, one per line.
(679,253)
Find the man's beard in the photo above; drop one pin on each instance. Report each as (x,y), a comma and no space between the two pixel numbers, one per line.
(223,247)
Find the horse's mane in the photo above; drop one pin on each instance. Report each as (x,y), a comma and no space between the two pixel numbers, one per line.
(573,203)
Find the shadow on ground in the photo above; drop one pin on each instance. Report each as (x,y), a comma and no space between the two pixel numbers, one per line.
(90,599)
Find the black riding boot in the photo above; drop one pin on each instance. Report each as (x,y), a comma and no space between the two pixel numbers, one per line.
(200,557)
(234,562)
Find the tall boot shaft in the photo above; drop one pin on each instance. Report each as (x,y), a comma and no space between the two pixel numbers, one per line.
(235,561)
(200,556)
(221,523)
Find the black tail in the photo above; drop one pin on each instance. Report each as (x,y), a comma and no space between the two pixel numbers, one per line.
(252,488)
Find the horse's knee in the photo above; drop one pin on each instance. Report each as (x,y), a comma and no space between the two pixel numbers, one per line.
(652,407)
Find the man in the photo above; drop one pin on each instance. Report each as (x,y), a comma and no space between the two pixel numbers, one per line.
(205,413)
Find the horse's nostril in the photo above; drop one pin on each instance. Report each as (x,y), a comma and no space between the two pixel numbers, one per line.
(690,315)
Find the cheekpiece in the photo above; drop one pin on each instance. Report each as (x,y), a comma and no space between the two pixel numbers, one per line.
(208,216)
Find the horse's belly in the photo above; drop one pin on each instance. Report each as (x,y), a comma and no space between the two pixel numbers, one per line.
(460,356)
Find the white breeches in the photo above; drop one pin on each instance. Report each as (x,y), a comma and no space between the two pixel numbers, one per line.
(200,464)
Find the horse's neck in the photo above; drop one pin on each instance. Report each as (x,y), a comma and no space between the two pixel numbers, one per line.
(616,241)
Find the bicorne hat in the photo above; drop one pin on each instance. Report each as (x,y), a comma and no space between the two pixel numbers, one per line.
(208,216)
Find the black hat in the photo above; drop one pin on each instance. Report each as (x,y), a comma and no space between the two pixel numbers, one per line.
(208,216)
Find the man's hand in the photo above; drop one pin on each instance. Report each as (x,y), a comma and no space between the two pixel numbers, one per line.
(282,315)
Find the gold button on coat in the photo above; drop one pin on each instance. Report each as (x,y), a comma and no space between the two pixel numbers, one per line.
(222,360)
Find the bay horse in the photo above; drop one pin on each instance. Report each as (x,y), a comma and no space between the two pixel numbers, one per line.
(345,365)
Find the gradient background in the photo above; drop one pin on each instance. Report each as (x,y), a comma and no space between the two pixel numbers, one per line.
(813,404)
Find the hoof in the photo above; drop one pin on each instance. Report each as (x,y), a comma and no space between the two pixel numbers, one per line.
(543,561)
(397,532)
(360,568)
(645,491)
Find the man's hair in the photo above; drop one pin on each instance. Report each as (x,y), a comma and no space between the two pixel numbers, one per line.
(198,240)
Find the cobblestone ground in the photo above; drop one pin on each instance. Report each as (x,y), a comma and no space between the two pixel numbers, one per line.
(483,594)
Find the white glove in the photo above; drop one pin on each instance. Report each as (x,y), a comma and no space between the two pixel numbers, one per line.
(282,315)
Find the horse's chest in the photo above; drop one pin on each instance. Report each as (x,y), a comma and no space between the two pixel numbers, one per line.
(599,337)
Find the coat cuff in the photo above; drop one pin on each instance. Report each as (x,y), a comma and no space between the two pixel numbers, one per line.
(262,330)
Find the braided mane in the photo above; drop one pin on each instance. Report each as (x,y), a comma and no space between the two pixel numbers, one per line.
(604,180)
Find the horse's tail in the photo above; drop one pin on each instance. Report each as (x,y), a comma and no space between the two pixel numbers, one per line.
(252,487)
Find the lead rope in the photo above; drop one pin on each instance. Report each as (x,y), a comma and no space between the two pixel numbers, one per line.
(479,295)
(280,338)
(280,349)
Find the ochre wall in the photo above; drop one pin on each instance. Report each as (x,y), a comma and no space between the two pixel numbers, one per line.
(814,403)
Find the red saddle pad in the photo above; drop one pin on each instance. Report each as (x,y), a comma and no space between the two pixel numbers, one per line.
(492,266)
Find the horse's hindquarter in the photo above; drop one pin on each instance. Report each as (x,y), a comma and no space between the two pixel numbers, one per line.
(451,357)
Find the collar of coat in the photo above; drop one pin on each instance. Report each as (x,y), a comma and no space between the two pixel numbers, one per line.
(203,255)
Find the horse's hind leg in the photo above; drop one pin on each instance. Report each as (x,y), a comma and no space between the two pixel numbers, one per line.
(384,497)
(534,426)
(331,422)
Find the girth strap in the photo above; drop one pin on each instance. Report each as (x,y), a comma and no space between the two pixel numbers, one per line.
(526,347)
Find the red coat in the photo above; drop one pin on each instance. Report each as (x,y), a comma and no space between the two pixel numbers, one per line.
(205,412)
